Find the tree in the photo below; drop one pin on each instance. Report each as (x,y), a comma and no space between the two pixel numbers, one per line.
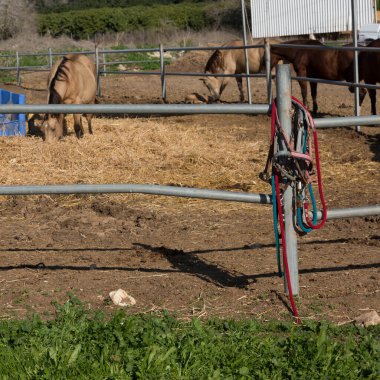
(16,16)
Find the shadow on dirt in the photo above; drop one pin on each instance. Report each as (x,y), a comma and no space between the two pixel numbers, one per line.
(42,266)
(374,144)
(188,262)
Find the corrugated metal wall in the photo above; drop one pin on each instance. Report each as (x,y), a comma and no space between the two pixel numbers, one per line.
(274,18)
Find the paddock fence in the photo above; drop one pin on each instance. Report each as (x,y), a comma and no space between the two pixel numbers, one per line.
(103,64)
(283,90)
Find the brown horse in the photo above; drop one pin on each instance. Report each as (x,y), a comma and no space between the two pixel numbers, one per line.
(369,64)
(323,64)
(72,80)
(232,62)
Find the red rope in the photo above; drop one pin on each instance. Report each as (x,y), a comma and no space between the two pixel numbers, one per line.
(284,251)
(275,125)
(281,221)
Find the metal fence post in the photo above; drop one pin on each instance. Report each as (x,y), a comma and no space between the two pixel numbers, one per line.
(283,85)
(97,70)
(246,53)
(268,71)
(18,69)
(356,55)
(50,58)
(162,68)
(104,64)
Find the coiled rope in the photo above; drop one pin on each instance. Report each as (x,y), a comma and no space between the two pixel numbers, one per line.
(294,167)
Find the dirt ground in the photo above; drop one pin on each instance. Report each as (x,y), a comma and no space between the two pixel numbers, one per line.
(190,257)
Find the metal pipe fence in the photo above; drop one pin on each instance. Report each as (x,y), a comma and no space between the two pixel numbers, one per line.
(185,192)
(174,191)
(163,73)
(337,83)
(178,109)
(283,92)
(326,47)
(137,109)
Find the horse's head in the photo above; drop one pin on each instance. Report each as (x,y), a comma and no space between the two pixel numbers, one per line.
(215,85)
(362,93)
(53,127)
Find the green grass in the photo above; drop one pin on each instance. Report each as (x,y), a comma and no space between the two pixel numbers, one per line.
(76,344)
(134,59)
(8,59)
(141,60)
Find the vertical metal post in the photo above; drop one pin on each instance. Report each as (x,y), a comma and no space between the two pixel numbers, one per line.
(97,70)
(50,59)
(18,69)
(268,72)
(104,64)
(22,117)
(162,68)
(283,85)
(246,53)
(356,55)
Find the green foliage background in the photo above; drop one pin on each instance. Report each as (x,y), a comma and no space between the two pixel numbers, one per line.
(45,6)
(85,23)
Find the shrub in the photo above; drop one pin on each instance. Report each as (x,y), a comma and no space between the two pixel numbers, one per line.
(86,23)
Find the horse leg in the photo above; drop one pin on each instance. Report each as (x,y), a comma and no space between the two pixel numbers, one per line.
(222,86)
(78,127)
(89,122)
(239,81)
(303,86)
(313,89)
(362,93)
(372,95)
(301,72)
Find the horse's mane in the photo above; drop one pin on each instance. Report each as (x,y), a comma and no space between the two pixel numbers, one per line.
(59,75)
(215,62)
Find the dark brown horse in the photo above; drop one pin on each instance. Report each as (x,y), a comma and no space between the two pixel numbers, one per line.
(369,71)
(334,65)
(72,80)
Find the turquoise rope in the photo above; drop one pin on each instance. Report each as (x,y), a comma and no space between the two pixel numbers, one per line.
(300,223)
(275,224)
(311,192)
(310,188)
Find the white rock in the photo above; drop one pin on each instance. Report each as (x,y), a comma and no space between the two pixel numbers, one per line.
(121,298)
(367,319)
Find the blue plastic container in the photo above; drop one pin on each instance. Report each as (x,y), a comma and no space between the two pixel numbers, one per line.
(12,124)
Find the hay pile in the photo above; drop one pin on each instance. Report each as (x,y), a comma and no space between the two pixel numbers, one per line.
(183,151)
(151,151)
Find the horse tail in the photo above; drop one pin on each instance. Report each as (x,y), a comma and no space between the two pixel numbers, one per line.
(215,63)
(58,74)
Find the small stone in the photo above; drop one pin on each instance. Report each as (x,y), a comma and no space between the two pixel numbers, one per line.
(367,319)
(121,298)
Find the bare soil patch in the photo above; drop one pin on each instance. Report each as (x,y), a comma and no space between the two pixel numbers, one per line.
(191,257)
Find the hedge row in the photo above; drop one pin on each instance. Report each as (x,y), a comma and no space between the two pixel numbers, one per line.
(49,6)
(86,23)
